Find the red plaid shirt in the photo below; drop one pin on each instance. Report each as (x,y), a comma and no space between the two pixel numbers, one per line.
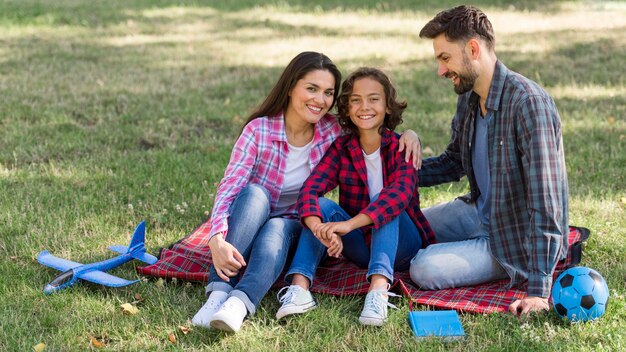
(343,165)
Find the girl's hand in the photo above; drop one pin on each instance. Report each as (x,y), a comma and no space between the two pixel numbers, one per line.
(411,142)
(226,258)
(327,230)
(335,247)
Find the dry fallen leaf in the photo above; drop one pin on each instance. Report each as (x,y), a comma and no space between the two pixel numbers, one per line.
(95,343)
(138,299)
(171,337)
(39,347)
(129,309)
(185,330)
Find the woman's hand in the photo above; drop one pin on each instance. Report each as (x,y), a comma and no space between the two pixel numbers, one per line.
(227,260)
(410,142)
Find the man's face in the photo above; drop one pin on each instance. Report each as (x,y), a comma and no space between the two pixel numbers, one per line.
(454,63)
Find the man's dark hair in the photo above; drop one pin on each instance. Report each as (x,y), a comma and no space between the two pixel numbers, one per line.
(460,23)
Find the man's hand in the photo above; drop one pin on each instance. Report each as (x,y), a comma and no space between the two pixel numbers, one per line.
(411,142)
(528,305)
(226,258)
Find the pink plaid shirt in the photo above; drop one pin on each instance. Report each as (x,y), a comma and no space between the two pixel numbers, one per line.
(259,157)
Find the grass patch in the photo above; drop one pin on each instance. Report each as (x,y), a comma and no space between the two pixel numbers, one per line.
(117,111)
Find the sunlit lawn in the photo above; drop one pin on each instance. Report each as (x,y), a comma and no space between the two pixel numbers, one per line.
(117,111)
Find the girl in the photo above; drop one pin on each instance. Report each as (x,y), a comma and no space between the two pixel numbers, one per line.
(377,187)
(254,222)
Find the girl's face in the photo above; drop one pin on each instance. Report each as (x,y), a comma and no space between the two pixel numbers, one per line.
(312,96)
(367,104)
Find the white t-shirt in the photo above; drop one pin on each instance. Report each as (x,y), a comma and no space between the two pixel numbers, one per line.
(374,166)
(297,170)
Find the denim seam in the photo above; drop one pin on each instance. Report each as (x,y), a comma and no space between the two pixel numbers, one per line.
(384,273)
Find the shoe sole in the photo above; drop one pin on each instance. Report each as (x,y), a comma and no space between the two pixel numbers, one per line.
(295,310)
(221,325)
(371,321)
(200,324)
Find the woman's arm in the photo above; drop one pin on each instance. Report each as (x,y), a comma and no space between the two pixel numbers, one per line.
(410,142)
(226,258)
(236,176)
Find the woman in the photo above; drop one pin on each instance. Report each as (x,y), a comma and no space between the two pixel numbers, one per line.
(254,222)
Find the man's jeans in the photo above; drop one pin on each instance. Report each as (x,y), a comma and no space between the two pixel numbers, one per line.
(264,243)
(382,258)
(462,256)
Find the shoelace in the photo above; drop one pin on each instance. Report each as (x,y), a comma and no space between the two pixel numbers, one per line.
(289,295)
(375,300)
(228,305)
(213,304)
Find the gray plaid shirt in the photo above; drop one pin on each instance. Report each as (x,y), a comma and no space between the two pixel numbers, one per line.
(529,226)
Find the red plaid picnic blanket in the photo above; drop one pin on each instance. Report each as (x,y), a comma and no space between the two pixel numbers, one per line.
(189,259)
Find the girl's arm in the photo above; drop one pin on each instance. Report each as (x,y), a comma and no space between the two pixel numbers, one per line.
(326,231)
(323,179)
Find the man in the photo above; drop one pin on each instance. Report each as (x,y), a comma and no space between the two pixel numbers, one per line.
(506,138)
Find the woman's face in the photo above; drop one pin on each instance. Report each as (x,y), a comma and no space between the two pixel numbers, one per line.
(311,97)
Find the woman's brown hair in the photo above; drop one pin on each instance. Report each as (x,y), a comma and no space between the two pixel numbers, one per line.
(305,62)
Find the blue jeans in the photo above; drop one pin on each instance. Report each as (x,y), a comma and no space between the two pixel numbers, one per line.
(264,243)
(462,256)
(384,256)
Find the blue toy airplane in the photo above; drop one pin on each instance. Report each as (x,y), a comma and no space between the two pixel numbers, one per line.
(95,272)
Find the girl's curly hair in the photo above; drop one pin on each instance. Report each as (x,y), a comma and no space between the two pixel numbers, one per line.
(392,119)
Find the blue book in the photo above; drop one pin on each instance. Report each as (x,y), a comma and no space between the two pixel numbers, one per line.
(444,324)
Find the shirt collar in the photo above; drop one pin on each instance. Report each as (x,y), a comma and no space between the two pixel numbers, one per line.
(277,127)
(497,86)
(353,143)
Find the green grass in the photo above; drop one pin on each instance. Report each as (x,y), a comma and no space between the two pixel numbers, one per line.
(117,111)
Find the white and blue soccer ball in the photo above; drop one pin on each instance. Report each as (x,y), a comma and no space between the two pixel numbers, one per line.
(580,294)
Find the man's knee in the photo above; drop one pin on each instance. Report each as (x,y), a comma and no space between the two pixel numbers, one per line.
(423,272)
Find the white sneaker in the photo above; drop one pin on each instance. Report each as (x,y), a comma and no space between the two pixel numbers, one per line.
(375,308)
(295,301)
(212,305)
(230,316)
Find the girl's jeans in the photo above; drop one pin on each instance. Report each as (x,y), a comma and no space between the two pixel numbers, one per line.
(382,257)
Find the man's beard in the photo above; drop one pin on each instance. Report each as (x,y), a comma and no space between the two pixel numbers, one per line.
(467,79)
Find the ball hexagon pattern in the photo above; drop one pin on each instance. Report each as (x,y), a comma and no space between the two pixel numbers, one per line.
(580,294)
